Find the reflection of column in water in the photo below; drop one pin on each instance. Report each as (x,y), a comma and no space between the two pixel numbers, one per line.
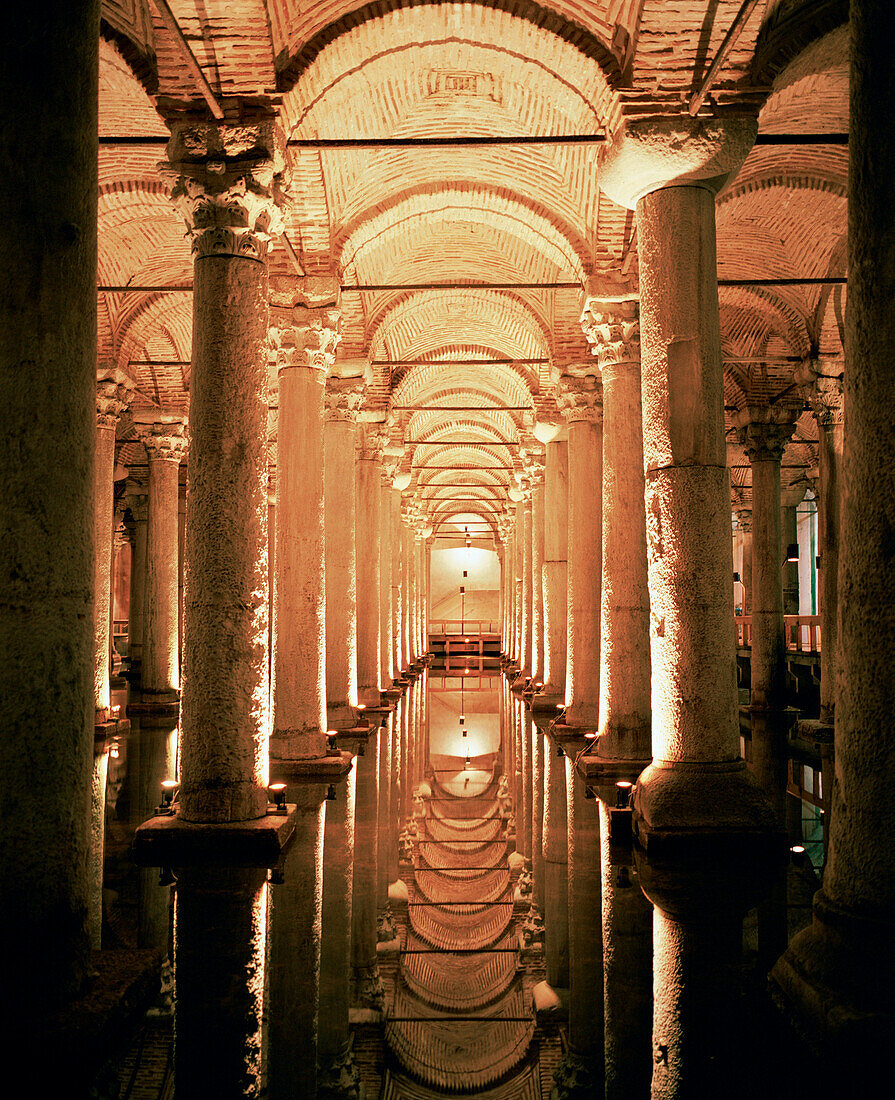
(627,960)
(219,931)
(536,738)
(335,1057)
(556,869)
(523,827)
(393,792)
(294,955)
(156,759)
(368,990)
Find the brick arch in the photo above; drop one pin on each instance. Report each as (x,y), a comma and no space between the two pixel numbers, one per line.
(508,216)
(423,322)
(501,382)
(312,36)
(791,27)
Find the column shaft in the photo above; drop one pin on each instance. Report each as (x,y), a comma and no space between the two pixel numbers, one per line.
(103,509)
(161,639)
(340,434)
(526,634)
(537,575)
(138,504)
(556,581)
(386,668)
(368,687)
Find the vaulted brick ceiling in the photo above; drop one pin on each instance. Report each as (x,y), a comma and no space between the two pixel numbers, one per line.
(497,214)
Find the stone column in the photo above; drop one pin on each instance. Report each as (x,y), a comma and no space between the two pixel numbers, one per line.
(536,739)
(556,582)
(138,503)
(825,395)
(337,1076)
(524,817)
(764,433)
(744,519)
(526,633)
(406,594)
(838,974)
(342,400)
(385,928)
(537,575)
(519,557)
(48,321)
(114,392)
(387,671)
(610,319)
(581,400)
(305,339)
(222,181)
(397,583)
(366,984)
(669,168)
(556,867)
(580,1073)
(165,440)
(370,442)
(790,572)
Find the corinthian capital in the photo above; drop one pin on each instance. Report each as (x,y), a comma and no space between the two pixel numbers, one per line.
(114,392)
(342,399)
(371,442)
(305,323)
(165,439)
(226,180)
(764,431)
(822,385)
(580,398)
(610,321)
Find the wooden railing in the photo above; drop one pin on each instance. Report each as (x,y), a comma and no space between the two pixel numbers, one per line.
(461,627)
(802,632)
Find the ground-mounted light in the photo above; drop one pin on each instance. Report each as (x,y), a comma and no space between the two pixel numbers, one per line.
(792,553)
(170,787)
(331,793)
(798,855)
(623,794)
(277,792)
(332,743)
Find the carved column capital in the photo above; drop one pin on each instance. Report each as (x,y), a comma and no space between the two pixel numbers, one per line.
(580,398)
(306,333)
(114,393)
(610,321)
(137,497)
(342,400)
(744,518)
(371,442)
(226,180)
(764,431)
(165,440)
(822,386)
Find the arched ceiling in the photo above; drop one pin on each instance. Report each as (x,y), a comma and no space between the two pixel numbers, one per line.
(444,359)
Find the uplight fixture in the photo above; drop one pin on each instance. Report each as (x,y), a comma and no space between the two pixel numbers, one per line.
(792,553)
(623,794)
(170,787)
(277,792)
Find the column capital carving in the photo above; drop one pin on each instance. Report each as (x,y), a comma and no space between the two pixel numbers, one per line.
(580,398)
(137,497)
(610,321)
(822,385)
(114,393)
(744,518)
(165,440)
(372,440)
(226,180)
(307,333)
(342,400)
(764,431)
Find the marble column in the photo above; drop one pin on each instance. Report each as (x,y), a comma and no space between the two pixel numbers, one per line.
(114,393)
(526,633)
(397,583)
(519,557)
(610,319)
(524,814)
(697,779)
(538,748)
(837,976)
(366,983)
(385,928)
(790,572)
(581,400)
(369,454)
(825,396)
(386,667)
(48,388)
(138,503)
(744,519)
(556,867)
(406,594)
(555,574)
(537,575)
(342,399)
(305,337)
(224,697)
(337,1075)
(165,440)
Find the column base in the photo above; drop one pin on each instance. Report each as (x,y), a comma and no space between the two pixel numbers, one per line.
(547,705)
(155,704)
(341,716)
(678,802)
(366,988)
(834,985)
(576,1078)
(338,1077)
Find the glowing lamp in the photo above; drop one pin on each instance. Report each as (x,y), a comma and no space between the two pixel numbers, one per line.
(797,853)
(114,750)
(401,480)
(792,553)
(170,788)
(590,735)
(332,744)
(277,792)
(622,794)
